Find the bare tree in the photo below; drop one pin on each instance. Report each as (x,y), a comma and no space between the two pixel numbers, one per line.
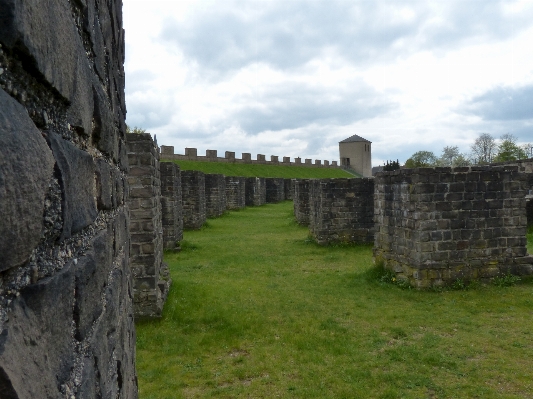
(449,153)
(484,149)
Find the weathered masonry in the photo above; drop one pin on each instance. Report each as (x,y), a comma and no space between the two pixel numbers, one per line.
(235,192)
(255,191)
(275,189)
(171,205)
(193,198)
(437,225)
(288,189)
(151,279)
(301,201)
(215,195)
(341,210)
(66,314)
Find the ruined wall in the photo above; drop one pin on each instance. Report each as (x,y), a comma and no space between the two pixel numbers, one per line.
(288,189)
(215,195)
(193,198)
(275,190)
(437,225)
(66,319)
(255,191)
(235,192)
(171,205)
(301,201)
(151,279)
(341,210)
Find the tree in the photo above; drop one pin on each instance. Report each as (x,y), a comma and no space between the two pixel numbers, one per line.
(136,130)
(448,156)
(421,159)
(484,148)
(528,149)
(508,150)
(461,160)
(393,165)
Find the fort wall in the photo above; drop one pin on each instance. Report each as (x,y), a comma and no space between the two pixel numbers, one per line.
(191,154)
(171,205)
(193,198)
(215,195)
(66,312)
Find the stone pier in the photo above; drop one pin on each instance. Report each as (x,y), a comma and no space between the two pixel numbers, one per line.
(235,192)
(215,195)
(255,188)
(193,198)
(301,201)
(171,205)
(275,190)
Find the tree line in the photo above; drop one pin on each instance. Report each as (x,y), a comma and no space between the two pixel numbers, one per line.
(485,150)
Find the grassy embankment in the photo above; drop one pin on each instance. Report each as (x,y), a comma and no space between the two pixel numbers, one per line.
(257,310)
(251,170)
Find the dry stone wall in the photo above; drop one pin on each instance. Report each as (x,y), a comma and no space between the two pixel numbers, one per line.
(235,192)
(171,205)
(255,191)
(215,195)
(66,314)
(342,210)
(301,201)
(437,225)
(275,190)
(151,278)
(193,198)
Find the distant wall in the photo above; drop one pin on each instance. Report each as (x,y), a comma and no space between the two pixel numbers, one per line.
(193,198)
(301,201)
(341,210)
(66,314)
(191,154)
(215,195)
(171,205)
(235,192)
(255,191)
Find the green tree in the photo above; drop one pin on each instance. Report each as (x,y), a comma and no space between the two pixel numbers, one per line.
(136,130)
(449,153)
(421,159)
(508,150)
(461,160)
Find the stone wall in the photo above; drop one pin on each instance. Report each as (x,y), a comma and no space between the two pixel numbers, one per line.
(151,279)
(301,200)
(215,195)
(255,191)
(66,315)
(171,205)
(193,198)
(437,225)
(341,210)
(235,192)
(287,187)
(275,190)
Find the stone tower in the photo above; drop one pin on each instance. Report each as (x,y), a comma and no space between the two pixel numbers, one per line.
(356,154)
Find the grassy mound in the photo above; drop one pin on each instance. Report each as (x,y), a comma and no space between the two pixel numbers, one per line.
(249,170)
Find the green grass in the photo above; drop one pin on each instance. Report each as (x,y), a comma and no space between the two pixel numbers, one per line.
(257,310)
(253,170)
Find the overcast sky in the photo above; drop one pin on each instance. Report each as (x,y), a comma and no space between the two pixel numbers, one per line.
(295,77)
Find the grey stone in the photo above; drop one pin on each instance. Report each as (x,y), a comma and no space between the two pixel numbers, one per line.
(26,166)
(77,176)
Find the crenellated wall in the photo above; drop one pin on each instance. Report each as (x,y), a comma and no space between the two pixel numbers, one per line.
(341,210)
(437,225)
(215,195)
(66,314)
(191,154)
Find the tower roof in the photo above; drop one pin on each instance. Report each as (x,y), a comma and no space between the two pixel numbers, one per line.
(353,138)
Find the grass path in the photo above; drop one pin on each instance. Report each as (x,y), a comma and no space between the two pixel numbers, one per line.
(258,311)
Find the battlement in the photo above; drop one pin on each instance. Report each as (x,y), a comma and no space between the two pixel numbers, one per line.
(191,154)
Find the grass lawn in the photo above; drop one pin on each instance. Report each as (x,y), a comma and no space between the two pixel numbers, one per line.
(258,311)
(249,170)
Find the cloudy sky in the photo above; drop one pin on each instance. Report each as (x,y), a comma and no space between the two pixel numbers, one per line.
(294,77)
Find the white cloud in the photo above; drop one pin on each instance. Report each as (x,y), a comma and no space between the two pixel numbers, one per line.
(294,78)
